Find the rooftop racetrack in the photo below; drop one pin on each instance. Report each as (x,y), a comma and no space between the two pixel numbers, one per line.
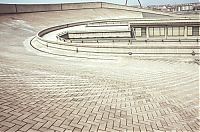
(40,92)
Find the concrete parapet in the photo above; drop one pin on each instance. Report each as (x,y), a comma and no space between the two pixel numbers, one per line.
(75,6)
(25,8)
(8,8)
(123,7)
(22,8)
(116,6)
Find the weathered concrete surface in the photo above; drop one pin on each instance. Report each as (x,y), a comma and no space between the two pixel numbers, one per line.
(7,8)
(40,93)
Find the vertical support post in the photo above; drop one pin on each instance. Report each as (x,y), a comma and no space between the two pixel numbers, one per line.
(147,32)
(16,8)
(126,3)
(61,7)
(165,32)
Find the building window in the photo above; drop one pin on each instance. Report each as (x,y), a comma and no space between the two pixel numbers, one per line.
(169,31)
(143,31)
(193,31)
(138,32)
(175,31)
(156,31)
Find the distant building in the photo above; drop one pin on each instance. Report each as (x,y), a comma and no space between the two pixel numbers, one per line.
(189,7)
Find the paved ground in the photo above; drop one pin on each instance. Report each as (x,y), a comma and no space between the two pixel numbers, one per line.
(39,93)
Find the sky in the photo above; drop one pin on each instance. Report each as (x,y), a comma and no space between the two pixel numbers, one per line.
(130,2)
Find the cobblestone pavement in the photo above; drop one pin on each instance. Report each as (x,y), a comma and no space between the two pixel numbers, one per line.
(44,94)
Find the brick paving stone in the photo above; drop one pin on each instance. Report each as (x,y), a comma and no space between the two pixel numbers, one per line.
(94,128)
(23,116)
(116,123)
(111,130)
(59,118)
(148,128)
(143,128)
(29,121)
(70,128)
(86,129)
(58,123)
(60,113)
(8,124)
(43,129)
(48,124)
(42,115)
(38,125)
(40,120)
(4,128)
(32,130)
(136,129)
(11,118)
(26,127)
(123,122)
(76,125)
(2,118)
(77,130)
(103,125)
(119,129)
(57,128)
(110,124)
(14,128)
(21,123)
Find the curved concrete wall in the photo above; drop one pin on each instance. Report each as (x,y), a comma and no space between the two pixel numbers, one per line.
(25,8)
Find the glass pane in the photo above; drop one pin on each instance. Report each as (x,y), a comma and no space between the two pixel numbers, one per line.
(138,32)
(143,32)
(189,31)
(162,31)
(181,33)
(156,32)
(195,31)
(175,31)
(151,32)
(169,31)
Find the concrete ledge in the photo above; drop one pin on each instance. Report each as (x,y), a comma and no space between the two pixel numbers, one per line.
(110,51)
